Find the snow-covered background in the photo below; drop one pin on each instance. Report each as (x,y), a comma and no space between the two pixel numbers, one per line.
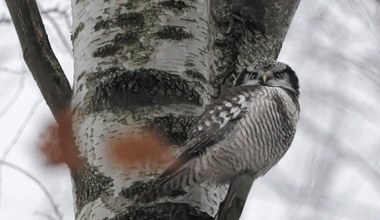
(332,171)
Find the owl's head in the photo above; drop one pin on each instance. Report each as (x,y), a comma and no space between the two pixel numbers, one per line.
(269,73)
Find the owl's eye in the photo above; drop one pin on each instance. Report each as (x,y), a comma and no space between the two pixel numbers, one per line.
(252,75)
(279,75)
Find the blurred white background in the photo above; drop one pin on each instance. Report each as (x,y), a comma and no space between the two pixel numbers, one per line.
(331,172)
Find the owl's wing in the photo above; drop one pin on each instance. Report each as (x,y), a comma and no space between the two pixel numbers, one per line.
(210,128)
(212,125)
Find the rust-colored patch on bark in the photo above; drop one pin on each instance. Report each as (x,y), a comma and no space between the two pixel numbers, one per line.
(139,150)
(58,143)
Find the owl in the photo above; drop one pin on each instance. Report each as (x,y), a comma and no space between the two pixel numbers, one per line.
(246,131)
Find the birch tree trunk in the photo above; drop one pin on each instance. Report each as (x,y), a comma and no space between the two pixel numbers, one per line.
(156,64)
(138,64)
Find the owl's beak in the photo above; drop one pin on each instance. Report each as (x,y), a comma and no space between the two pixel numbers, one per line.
(264,78)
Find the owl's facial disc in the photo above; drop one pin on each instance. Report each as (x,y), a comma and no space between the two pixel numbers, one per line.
(275,74)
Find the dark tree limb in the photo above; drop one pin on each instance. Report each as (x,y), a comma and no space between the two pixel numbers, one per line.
(233,205)
(245,31)
(39,55)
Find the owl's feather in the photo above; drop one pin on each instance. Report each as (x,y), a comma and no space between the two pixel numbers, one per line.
(246,130)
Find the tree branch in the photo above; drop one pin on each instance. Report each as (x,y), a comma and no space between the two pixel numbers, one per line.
(232,206)
(39,56)
(247,30)
(34,179)
(254,29)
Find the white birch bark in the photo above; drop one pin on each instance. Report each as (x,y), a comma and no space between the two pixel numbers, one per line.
(124,50)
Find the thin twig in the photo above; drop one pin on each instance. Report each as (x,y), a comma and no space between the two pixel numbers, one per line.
(34,179)
(16,138)
(345,151)
(47,216)
(57,27)
(62,13)
(5,20)
(13,99)
(21,128)
(60,34)
(11,71)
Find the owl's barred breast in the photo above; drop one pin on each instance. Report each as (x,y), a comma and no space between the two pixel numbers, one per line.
(259,139)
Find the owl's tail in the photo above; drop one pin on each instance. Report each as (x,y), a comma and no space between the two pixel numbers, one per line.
(171,185)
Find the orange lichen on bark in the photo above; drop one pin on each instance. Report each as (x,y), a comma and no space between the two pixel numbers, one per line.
(147,149)
(58,143)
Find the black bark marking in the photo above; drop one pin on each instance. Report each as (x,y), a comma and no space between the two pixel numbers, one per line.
(77,30)
(136,189)
(80,1)
(130,19)
(103,24)
(163,211)
(89,185)
(107,50)
(174,127)
(128,5)
(119,41)
(129,90)
(126,38)
(171,4)
(133,26)
(172,32)
(195,75)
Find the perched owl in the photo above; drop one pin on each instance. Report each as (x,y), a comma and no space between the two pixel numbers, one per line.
(246,130)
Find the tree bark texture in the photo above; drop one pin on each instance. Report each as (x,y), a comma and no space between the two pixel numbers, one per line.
(155,64)
(138,64)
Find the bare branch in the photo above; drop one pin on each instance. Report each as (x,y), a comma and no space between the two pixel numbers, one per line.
(5,20)
(58,28)
(304,196)
(21,129)
(44,215)
(34,179)
(16,138)
(247,30)
(13,99)
(346,152)
(232,206)
(11,71)
(39,56)
(59,32)
(62,12)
